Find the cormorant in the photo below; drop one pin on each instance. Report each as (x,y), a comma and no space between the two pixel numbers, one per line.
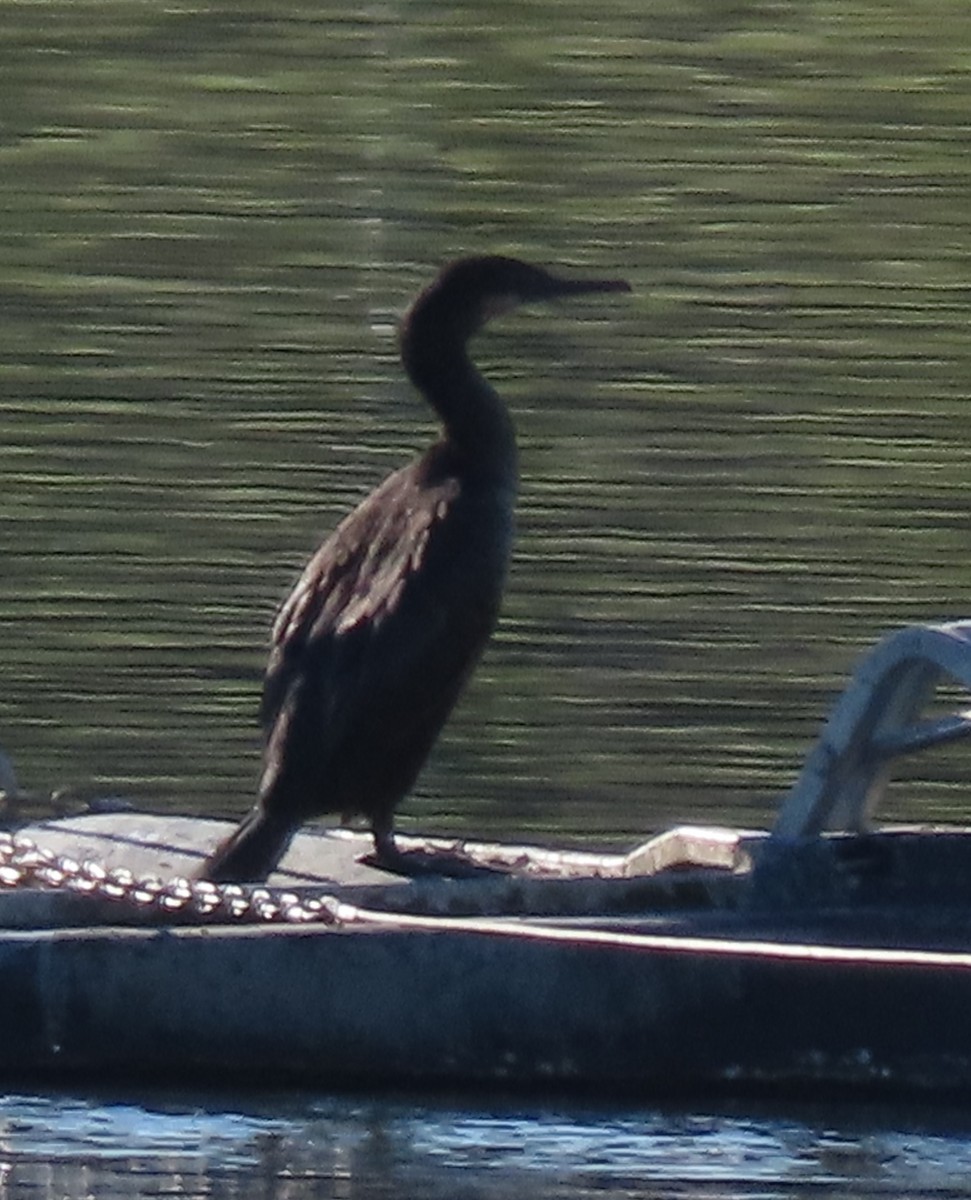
(387,621)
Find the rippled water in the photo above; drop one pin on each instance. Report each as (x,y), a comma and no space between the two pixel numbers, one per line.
(293,1146)
(733,481)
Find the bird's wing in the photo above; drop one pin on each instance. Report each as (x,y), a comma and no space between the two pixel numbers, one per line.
(333,621)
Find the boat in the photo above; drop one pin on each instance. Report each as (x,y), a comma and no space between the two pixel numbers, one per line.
(827,954)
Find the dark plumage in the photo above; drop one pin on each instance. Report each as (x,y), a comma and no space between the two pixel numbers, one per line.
(389,617)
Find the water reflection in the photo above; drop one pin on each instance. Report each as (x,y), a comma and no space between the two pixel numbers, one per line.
(295,1146)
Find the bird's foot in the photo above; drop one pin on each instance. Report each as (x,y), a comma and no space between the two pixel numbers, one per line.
(451,863)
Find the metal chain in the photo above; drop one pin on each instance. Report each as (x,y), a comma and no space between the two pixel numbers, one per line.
(25,864)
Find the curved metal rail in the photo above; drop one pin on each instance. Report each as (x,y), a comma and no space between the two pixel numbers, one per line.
(876,720)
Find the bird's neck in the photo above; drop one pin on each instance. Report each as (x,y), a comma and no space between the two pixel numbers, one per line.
(477,424)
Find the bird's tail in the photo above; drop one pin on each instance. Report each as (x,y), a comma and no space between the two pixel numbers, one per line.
(250,852)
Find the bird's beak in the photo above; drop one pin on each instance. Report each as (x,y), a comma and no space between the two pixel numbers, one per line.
(579,287)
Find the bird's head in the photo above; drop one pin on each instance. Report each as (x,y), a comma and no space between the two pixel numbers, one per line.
(471,291)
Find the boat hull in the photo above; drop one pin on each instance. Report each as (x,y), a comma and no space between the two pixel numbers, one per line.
(524,1006)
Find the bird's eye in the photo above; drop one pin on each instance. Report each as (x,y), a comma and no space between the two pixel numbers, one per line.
(499,303)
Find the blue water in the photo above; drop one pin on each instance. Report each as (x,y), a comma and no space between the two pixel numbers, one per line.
(297,1145)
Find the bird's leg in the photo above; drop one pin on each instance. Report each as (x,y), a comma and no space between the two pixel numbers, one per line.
(386,851)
